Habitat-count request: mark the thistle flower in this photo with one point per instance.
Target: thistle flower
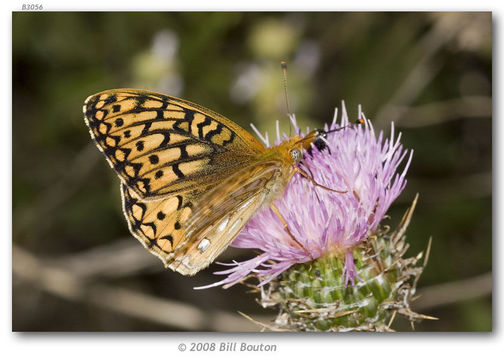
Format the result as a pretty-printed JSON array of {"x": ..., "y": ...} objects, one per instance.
[{"x": 337, "y": 230}]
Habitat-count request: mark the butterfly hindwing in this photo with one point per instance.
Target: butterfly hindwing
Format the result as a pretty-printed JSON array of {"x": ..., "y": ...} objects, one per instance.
[
  {"x": 221, "y": 214},
  {"x": 187, "y": 235}
]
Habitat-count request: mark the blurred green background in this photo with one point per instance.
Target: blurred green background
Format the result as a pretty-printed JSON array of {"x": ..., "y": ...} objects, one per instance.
[{"x": 75, "y": 266}]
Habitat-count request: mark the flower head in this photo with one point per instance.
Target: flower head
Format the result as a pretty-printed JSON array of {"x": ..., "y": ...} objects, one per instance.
[{"x": 326, "y": 222}]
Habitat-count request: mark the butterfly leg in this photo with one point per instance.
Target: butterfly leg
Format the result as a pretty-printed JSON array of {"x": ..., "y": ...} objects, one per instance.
[
  {"x": 286, "y": 227},
  {"x": 302, "y": 172},
  {"x": 355, "y": 194},
  {"x": 311, "y": 174}
]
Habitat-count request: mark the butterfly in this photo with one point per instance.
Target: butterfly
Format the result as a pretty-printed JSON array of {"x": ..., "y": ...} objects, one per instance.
[{"x": 190, "y": 178}]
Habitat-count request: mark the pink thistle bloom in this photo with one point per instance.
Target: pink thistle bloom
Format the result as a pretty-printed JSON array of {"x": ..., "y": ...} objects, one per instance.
[{"x": 324, "y": 221}]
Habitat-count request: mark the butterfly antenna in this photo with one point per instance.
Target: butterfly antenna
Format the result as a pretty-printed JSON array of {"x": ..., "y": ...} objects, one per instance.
[
  {"x": 359, "y": 121},
  {"x": 283, "y": 64}
]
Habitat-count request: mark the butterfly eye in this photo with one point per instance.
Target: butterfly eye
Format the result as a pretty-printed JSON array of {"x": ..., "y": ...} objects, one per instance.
[{"x": 296, "y": 154}]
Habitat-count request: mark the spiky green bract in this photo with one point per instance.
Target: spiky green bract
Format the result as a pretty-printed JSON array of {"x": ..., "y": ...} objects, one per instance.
[{"x": 313, "y": 296}]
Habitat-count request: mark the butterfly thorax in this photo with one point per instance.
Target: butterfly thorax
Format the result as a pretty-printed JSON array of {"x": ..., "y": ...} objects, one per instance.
[{"x": 286, "y": 155}]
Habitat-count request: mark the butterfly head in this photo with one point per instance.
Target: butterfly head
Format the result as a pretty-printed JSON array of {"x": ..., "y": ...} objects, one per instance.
[{"x": 298, "y": 145}]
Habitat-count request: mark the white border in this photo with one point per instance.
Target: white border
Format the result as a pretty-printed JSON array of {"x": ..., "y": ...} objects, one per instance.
[{"x": 150, "y": 346}]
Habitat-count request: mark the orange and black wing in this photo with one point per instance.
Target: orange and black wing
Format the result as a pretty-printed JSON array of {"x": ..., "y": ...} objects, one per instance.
[
  {"x": 177, "y": 161},
  {"x": 161, "y": 145}
]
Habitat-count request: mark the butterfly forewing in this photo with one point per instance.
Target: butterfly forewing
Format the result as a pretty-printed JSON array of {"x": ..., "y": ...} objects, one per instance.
[{"x": 161, "y": 145}]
